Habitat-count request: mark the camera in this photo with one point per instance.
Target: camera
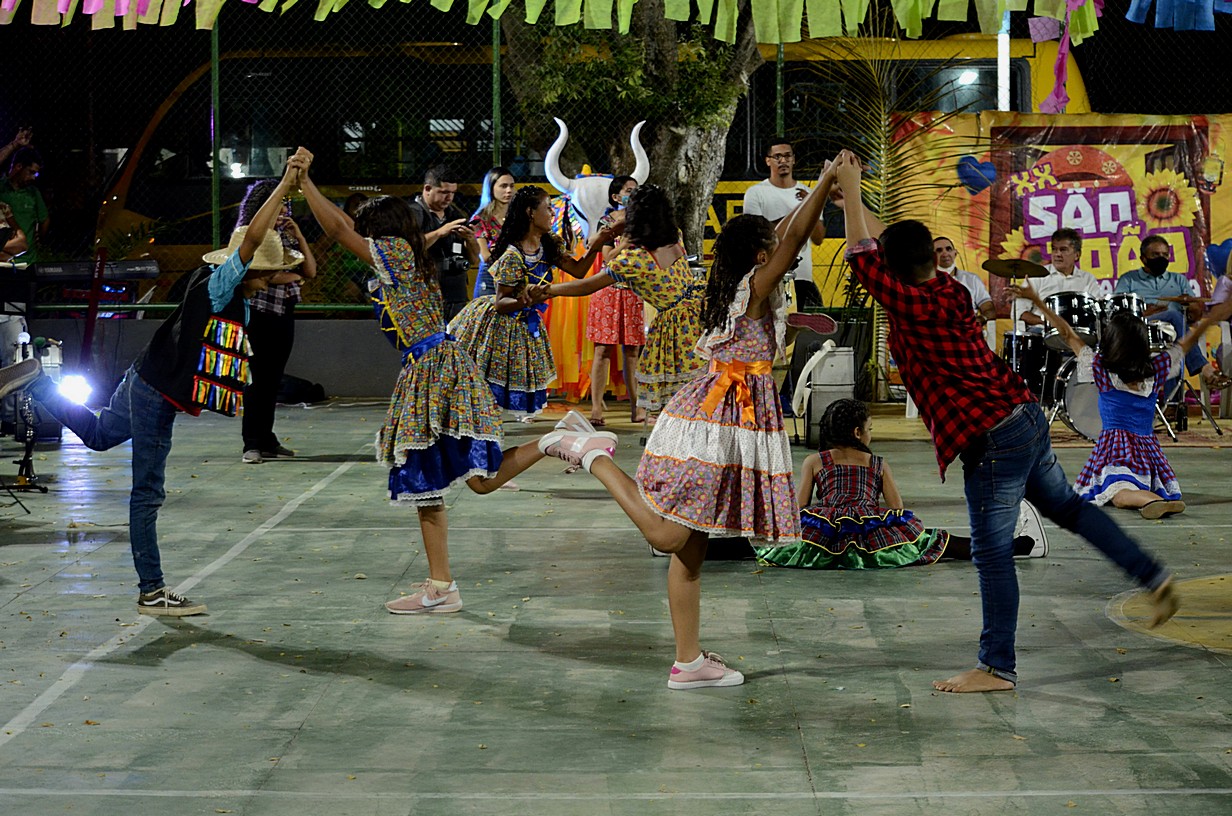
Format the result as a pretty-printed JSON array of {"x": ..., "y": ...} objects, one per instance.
[{"x": 454, "y": 264}]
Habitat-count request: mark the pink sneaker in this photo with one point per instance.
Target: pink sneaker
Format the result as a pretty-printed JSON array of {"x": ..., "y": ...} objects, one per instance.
[
  {"x": 578, "y": 449},
  {"x": 816, "y": 322},
  {"x": 427, "y": 599},
  {"x": 577, "y": 423},
  {"x": 713, "y": 673}
]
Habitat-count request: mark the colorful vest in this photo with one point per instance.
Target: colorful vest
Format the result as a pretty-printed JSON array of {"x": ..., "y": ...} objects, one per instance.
[{"x": 198, "y": 359}]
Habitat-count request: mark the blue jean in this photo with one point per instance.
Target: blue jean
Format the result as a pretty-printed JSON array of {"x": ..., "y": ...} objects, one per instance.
[
  {"x": 138, "y": 412},
  {"x": 1012, "y": 461}
]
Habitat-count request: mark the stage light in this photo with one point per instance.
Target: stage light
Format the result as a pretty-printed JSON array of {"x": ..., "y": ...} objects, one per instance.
[{"x": 75, "y": 389}]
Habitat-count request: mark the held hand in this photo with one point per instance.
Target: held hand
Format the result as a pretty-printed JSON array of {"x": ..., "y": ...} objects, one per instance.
[
  {"x": 23, "y": 137},
  {"x": 847, "y": 172},
  {"x": 297, "y": 167},
  {"x": 536, "y": 294}
]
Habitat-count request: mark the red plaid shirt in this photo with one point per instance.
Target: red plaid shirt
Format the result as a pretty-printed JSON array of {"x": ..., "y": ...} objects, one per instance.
[{"x": 960, "y": 386}]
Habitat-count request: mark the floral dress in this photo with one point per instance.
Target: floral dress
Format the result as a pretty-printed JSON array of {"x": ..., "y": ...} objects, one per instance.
[
  {"x": 487, "y": 230},
  {"x": 669, "y": 359},
  {"x": 718, "y": 459},
  {"x": 616, "y": 316},
  {"x": 512, "y": 351},
  {"x": 1127, "y": 455},
  {"x": 847, "y": 528},
  {"x": 441, "y": 427}
]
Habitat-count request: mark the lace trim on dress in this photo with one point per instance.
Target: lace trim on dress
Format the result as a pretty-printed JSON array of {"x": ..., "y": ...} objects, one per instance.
[{"x": 714, "y": 339}]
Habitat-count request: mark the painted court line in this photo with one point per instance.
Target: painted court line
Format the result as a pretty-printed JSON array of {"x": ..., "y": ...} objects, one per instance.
[
  {"x": 14, "y": 727},
  {"x": 895, "y": 796}
]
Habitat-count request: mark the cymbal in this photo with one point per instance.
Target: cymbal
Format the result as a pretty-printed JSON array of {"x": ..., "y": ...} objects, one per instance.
[{"x": 1014, "y": 268}]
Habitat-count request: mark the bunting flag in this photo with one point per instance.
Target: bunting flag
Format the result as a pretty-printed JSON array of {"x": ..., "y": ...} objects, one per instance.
[{"x": 774, "y": 21}]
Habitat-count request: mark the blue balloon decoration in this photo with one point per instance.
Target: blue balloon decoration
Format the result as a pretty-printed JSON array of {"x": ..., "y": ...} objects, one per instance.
[
  {"x": 975, "y": 175},
  {"x": 1217, "y": 257}
]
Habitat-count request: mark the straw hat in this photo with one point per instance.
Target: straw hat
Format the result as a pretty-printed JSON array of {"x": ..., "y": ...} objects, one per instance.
[{"x": 271, "y": 255}]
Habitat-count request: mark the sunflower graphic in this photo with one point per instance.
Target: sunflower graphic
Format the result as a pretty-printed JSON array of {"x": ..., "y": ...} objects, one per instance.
[
  {"x": 1167, "y": 200},
  {"x": 1015, "y": 245}
]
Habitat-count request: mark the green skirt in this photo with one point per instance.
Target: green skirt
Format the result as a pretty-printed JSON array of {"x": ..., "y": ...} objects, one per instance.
[{"x": 925, "y": 550}]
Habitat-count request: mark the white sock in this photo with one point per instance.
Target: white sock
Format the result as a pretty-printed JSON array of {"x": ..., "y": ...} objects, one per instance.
[
  {"x": 590, "y": 457},
  {"x": 692, "y": 665},
  {"x": 444, "y": 586}
]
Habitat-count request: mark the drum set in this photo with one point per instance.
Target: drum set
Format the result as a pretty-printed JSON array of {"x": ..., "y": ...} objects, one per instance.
[{"x": 1047, "y": 364}]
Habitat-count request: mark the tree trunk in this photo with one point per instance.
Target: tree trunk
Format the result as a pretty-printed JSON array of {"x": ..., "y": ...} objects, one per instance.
[{"x": 687, "y": 162}]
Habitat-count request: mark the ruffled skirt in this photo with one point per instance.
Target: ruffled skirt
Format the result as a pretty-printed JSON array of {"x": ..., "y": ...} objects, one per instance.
[
  {"x": 441, "y": 428},
  {"x": 517, "y": 365},
  {"x": 669, "y": 358},
  {"x": 1122, "y": 460},
  {"x": 710, "y": 473},
  {"x": 834, "y": 539}
]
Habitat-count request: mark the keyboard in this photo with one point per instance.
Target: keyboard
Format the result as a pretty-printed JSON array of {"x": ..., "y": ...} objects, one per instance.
[{"x": 67, "y": 271}]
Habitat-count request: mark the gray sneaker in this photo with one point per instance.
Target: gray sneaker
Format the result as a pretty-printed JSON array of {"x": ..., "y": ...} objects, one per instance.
[
  {"x": 1032, "y": 526},
  {"x": 252, "y": 457},
  {"x": 18, "y": 376},
  {"x": 164, "y": 602}
]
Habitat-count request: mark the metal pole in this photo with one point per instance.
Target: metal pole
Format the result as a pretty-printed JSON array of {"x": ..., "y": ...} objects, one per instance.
[
  {"x": 1003, "y": 64},
  {"x": 496, "y": 93},
  {"x": 778, "y": 90},
  {"x": 215, "y": 170}
]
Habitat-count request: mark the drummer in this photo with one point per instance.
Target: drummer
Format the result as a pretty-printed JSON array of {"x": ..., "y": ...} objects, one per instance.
[
  {"x": 1153, "y": 282},
  {"x": 1063, "y": 276}
]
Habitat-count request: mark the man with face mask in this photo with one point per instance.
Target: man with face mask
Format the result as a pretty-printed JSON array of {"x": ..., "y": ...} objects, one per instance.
[{"x": 1152, "y": 282}]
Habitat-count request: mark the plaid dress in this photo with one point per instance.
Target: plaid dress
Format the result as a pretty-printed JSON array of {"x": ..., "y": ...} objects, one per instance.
[
  {"x": 1127, "y": 455},
  {"x": 847, "y": 528}
]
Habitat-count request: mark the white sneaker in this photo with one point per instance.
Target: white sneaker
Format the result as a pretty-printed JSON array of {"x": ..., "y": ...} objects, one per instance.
[
  {"x": 577, "y": 423},
  {"x": 252, "y": 457},
  {"x": 1032, "y": 526}
]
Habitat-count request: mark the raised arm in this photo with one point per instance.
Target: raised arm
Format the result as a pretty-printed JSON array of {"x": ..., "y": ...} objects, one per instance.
[
  {"x": 336, "y": 223},
  {"x": 1026, "y": 290},
  {"x": 793, "y": 232},
  {"x": 1218, "y": 313}
]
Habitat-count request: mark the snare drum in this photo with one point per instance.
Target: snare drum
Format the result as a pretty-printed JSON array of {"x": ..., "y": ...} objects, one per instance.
[
  {"x": 1125, "y": 302},
  {"x": 1081, "y": 311},
  {"x": 1025, "y": 353},
  {"x": 1077, "y": 402},
  {"x": 1161, "y": 335}
]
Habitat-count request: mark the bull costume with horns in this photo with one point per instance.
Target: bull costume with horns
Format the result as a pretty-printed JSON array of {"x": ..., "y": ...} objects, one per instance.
[{"x": 582, "y": 202}]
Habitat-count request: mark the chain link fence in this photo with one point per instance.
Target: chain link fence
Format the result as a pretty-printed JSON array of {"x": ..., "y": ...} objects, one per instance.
[{"x": 379, "y": 95}]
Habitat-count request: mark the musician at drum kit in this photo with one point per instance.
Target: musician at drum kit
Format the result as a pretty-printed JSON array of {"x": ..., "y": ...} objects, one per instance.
[
  {"x": 1127, "y": 468},
  {"x": 947, "y": 262},
  {"x": 1167, "y": 299},
  {"x": 1063, "y": 276}
]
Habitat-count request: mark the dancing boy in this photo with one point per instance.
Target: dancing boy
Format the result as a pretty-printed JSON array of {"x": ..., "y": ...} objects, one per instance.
[{"x": 979, "y": 411}]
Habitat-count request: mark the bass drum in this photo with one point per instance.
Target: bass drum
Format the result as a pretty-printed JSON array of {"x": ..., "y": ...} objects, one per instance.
[{"x": 1077, "y": 402}]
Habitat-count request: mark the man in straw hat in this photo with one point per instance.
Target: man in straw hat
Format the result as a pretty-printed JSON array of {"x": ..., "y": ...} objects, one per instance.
[{"x": 197, "y": 359}]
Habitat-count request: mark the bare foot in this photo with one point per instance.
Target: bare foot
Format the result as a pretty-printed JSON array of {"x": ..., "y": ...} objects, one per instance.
[
  {"x": 1164, "y": 603},
  {"x": 973, "y": 680}
]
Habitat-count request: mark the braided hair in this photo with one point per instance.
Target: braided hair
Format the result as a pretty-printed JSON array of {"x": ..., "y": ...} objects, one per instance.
[
  {"x": 735, "y": 253},
  {"x": 518, "y": 222},
  {"x": 839, "y": 422}
]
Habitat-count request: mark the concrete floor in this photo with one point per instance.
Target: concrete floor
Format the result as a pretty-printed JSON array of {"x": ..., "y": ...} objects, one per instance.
[{"x": 299, "y": 694}]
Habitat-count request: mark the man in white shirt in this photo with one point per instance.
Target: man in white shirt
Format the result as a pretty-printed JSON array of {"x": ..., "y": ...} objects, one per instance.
[
  {"x": 947, "y": 262},
  {"x": 778, "y": 195},
  {"x": 1063, "y": 276}
]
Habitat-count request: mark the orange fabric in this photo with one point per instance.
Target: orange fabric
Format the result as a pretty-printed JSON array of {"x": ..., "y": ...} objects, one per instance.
[
  {"x": 733, "y": 374},
  {"x": 574, "y": 354}
]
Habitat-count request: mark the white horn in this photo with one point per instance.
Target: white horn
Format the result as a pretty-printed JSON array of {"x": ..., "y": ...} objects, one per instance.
[
  {"x": 551, "y": 164},
  {"x": 642, "y": 171}
]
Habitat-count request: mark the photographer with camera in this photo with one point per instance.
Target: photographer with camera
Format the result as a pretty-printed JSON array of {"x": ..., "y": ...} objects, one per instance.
[{"x": 449, "y": 242}]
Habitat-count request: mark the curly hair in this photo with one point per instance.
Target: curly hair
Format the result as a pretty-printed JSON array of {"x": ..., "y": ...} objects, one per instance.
[
  {"x": 838, "y": 424},
  {"x": 391, "y": 217},
  {"x": 518, "y": 222},
  {"x": 735, "y": 253},
  {"x": 254, "y": 198},
  {"x": 1125, "y": 348},
  {"x": 650, "y": 222}
]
